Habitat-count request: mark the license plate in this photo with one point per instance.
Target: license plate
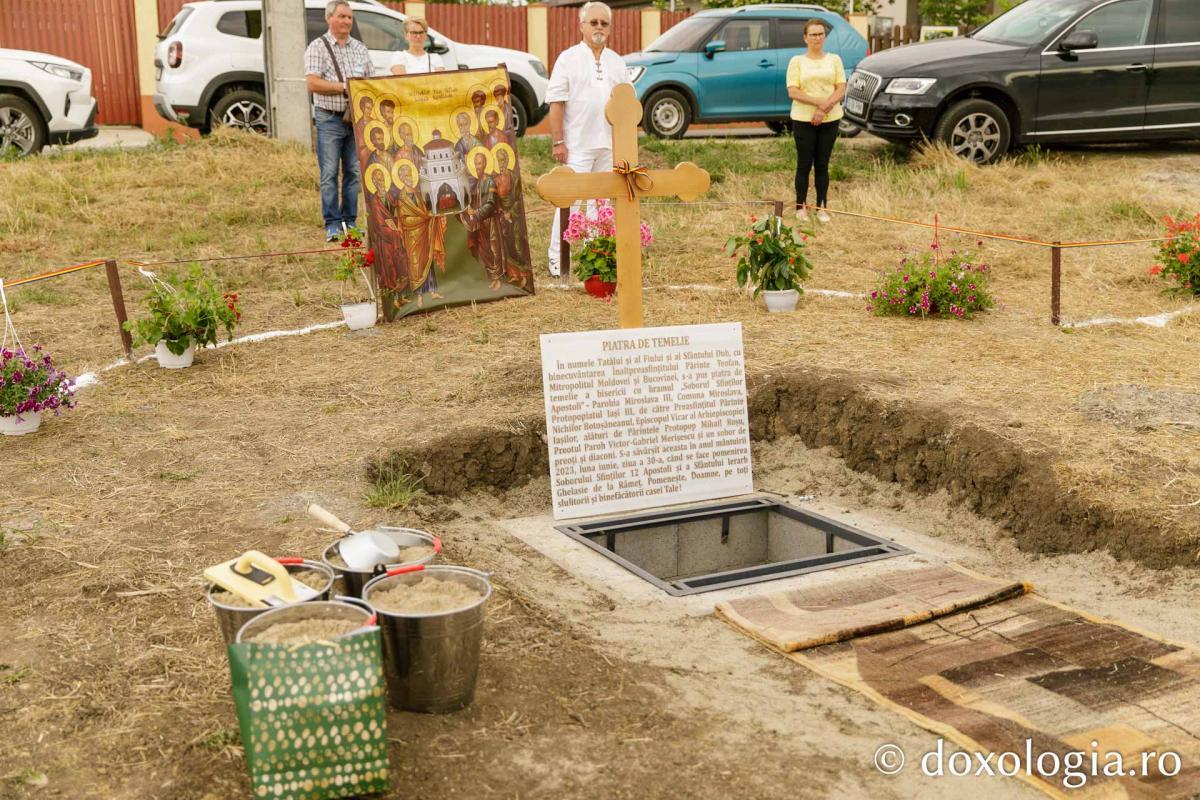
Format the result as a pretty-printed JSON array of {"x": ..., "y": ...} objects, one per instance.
[{"x": 854, "y": 106}]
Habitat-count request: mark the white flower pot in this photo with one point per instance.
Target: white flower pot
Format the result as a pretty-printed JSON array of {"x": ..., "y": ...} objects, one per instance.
[
  {"x": 19, "y": 426},
  {"x": 781, "y": 301},
  {"x": 359, "y": 315},
  {"x": 168, "y": 360}
]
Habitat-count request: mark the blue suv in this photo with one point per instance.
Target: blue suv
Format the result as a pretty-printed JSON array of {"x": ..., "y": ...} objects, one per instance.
[{"x": 729, "y": 65}]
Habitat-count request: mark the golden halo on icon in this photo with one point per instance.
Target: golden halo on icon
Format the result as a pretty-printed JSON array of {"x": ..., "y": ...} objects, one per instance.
[
  {"x": 491, "y": 161},
  {"x": 483, "y": 113},
  {"x": 375, "y": 126},
  {"x": 412, "y": 124},
  {"x": 470, "y": 116},
  {"x": 397, "y": 171},
  {"x": 503, "y": 147},
  {"x": 358, "y": 107},
  {"x": 379, "y": 101},
  {"x": 369, "y": 178}
]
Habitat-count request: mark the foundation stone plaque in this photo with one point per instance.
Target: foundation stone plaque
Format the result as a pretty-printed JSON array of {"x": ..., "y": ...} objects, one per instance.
[{"x": 645, "y": 417}]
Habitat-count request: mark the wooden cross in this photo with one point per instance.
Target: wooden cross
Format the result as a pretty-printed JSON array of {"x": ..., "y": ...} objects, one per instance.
[{"x": 563, "y": 186}]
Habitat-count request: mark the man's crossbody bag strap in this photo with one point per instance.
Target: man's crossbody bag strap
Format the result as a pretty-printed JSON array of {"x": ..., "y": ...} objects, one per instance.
[{"x": 347, "y": 115}]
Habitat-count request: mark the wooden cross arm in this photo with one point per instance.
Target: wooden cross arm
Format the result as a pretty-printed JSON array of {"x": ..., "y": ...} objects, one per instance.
[{"x": 562, "y": 186}]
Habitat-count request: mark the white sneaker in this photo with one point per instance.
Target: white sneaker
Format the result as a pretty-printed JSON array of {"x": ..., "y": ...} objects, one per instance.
[
  {"x": 802, "y": 215},
  {"x": 823, "y": 216},
  {"x": 555, "y": 270}
]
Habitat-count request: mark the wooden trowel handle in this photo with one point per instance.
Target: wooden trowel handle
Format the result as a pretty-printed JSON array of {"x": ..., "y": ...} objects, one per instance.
[{"x": 327, "y": 518}]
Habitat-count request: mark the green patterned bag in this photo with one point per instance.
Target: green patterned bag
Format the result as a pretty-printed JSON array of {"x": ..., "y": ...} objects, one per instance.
[{"x": 312, "y": 716}]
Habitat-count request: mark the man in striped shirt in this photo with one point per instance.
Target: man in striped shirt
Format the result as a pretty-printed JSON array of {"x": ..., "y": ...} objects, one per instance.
[{"x": 331, "y": 94}]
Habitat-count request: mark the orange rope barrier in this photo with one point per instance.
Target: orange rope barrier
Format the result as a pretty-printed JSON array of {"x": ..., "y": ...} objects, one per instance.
[
  {"x": 233, "y": 258},
  {"x": 1001, "y": 236},
  {"x": 54, "y": 273}
]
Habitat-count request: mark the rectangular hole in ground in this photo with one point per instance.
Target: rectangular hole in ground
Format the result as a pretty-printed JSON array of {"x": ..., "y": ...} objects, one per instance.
[{"x": 728, "y": 544}]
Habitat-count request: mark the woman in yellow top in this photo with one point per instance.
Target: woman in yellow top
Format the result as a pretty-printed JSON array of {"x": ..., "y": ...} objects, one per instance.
[{"x": 816, "y": 82}]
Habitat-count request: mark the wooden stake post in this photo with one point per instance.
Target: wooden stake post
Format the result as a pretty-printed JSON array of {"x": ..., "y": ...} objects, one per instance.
[{"x": 625, "y": 185}]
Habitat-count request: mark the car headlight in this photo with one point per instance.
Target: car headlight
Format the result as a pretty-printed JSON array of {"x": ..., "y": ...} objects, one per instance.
[
  {"x": 60, "y": 70},
  {"x": 634, "y": 73},
  {"x": 539, "y": 68},
  {"x": 910, "y": 85}
]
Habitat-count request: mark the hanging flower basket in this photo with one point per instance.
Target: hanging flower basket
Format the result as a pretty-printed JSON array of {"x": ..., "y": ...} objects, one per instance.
[
  {"x": 183, "y": 313},
  {"x": 30, "y": 384}
]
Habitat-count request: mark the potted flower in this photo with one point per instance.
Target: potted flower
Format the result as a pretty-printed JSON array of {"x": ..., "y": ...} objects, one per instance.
[
  {"x": 183, "y": 312},
  {"x": 595, "y": 248},
  {"x": 1179, "y": 256},
  {"x": 930, "y": 285},
  {"x": 773, "y": 260},
  {"x": 29, "y": 385},
  {"x": 354, "y": 261}
]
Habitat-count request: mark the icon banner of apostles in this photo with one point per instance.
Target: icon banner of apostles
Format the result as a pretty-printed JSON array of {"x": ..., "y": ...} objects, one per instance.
[{"x": 443, "y": 190}]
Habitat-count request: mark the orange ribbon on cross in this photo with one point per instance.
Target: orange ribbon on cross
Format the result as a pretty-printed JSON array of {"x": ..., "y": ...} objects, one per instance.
[{"x": 636, "y": 177}]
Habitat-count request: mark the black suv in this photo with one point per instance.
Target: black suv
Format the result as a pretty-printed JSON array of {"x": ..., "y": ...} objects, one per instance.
[{"x": 1048, "y": 71}]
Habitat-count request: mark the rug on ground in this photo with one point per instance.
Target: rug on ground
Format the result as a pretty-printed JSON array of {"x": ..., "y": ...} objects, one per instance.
[{"x": 997, "y": 670}]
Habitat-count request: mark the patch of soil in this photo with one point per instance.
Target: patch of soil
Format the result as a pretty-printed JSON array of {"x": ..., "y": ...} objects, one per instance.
[
  {"x": 305, "y": 631},
  {"x": 1141, "y": 407},
  {"x": 427, "y": 595}
]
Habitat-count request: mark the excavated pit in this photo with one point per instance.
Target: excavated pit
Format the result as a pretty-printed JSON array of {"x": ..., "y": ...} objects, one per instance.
[{"x": 919, "y": 446}]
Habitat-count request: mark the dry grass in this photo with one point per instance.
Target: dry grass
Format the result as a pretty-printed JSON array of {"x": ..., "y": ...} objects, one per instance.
[{"x": 110, "y": 513}]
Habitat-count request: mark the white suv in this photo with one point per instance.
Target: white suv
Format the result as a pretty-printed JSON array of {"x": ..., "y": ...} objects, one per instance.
[
  {"x": 209, "y": 61},
  {"x": 44, "y": 99}
]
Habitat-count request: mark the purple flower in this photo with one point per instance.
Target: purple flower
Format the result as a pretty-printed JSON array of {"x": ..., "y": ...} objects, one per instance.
[
  {"x": 933, "y": 275},
  {"x": 874, "y": 295},
  {"x": 17, "y": 377},
  {"x": 905, "y": 279},
  {"x": 52, "y": 402}
]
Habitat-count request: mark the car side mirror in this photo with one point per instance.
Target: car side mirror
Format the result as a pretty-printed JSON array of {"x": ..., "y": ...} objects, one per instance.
[
  {"x": 433, "y": 46},
  {"x": 1079, "y": 40},
  {"x": 712, "y": 48}
]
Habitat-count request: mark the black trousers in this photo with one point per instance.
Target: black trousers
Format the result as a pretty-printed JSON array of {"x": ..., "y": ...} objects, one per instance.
[{"x": 814, "y": 146}]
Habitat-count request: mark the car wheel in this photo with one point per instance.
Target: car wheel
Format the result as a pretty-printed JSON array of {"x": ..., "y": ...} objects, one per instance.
[
  {"x": 520, "y": 116},
  {"x": 847, "y": 129},
  {"x": 21, "y": 126},
  {"x": 778, "y": 128},
  {"x": 668, "y": 115},
  {"x": 976, "y": 130},
  {"x": 245, "y": 109}
]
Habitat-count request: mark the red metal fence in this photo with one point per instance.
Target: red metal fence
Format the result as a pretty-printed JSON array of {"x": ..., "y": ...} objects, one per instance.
[
  {"x": 96, "y": 33},
  {"x": 499, "y": 26},
  {"x": 167, "y": 9},
  {"x": 901, "y": 35},
  {"x": 100, "y": 34}
]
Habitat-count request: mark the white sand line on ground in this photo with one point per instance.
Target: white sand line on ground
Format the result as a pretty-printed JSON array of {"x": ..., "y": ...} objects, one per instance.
[
  {"x": 708, "y": 287},
  {"x": 1154, "y": 320},
  {"x": 92, "y": 378}
]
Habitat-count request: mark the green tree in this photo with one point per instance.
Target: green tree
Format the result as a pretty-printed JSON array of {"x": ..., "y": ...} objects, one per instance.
[{"x": 954, "y": 12}]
